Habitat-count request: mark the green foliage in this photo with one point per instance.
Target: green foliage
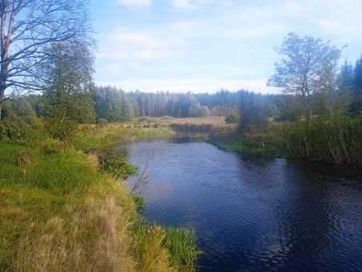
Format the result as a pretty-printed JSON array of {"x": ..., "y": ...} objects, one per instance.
[
  {"x": 139, "y": 202},
  {"x": 15, "y": 128},
  {"x": 112, "y": 105},
  {"x": 261, "y": 144},
  {"x": 335, "y": 140},
  {"x": 62, "y": 172},
  {"x": 181, "y": 245},
  {"x": 196, "y": 110},
  {"x": 116, "y": 165},
  {"x": 61, "y": 129},
  {"x": 20, "y": 107}
]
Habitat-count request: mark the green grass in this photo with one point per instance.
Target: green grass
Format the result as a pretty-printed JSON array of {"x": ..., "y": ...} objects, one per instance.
[
  {"x": 175, "y": 244},
  {"x": 260, "y": 144},
  {"x": 95, "y": 137},
  {"x": 60, "y": 210},
  {"x": 181, "y": 245}
]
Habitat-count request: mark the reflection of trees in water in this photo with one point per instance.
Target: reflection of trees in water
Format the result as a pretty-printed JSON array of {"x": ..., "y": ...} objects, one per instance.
[{"x": 304, "y": 219}]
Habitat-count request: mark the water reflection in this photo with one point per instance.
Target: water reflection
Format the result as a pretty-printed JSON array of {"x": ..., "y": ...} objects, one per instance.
[{"x": 252, "y": 214}]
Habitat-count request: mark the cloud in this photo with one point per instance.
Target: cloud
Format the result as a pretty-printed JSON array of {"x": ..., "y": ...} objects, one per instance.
[
  {"x": 213, "y": 48},
  {"x": 194, "y": 85},
  {"x": 183, "y": 3},
  {"x": 124, "y": 44},
  {"x": 135, "y": 3}
]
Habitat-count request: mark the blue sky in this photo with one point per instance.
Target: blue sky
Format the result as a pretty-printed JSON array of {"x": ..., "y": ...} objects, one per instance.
[{"x": 206, "y": 45}]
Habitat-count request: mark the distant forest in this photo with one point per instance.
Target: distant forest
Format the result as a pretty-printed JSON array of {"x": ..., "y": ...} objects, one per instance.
[
  {"x": 317, "y": 114},
  {"x": 110, "y": 104}
]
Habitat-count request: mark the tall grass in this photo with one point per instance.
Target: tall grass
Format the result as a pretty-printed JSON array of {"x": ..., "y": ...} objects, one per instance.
[
  {"x": 174, "y": 247},
  {"x": 335, "y": 140},
  {"x": 61, "y": 211},
  {"x": 182, "y": 248}
]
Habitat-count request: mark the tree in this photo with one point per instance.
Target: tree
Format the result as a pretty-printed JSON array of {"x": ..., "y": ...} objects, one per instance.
[
  {"x": 346, "y": 77},
  {"x": 307, "y": 67},
  {"x": 357, "y": 88},
  {"x": 27, "y": 29},
  {"x": 68, "y": 74},
  {"x": 112, "y": 104},
  {"x": 196, "y": 110},
  {"x": 253, "y": 111}
]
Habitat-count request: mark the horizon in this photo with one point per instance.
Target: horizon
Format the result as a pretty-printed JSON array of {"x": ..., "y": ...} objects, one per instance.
[{"x": 218, "y": 45}]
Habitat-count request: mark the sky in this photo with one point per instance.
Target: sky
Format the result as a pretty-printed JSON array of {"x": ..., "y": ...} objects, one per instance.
[{"x": 208, "y": 45}]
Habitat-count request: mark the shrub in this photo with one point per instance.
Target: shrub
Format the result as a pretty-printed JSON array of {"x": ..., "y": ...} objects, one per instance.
[
  {"x": 116, "y": 165},
  {"x": 18, "y": 129}
]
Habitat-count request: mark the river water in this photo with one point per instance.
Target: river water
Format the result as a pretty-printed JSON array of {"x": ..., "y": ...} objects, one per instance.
[{"x": 253, "y": 214}]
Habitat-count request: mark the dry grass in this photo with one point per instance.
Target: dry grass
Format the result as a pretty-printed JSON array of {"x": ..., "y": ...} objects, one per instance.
[
  {"x": 92, "y": 234},
  {"x": 63, "y": 215},
  {"x": 168, "y": 120}
]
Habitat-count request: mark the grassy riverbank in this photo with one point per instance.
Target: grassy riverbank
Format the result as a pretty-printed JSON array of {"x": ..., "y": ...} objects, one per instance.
[
  {"x": 335, "y": 140},
  {"x": 62, "y": 210}
]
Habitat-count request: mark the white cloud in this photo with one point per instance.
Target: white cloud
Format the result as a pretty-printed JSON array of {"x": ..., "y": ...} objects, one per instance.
[
  {"x": 135, "y": 3},
  {"x": 208, "y": 39},
  {"x": 194, "y": 85},
  {"x": 123, "y": 44},
  {"x": 183, "y": 3}
]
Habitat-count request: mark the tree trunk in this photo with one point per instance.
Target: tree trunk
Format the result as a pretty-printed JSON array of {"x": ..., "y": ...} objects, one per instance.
[
  {"x": 2, "y": 98},
  {"x": 2, "y": 95}
]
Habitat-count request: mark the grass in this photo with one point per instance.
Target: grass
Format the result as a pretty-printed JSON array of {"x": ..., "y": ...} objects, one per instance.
[
  {"x": 173, "y": 249},
  {"x": 61, "y": 211},
  {"x": 181, "y": 245},
  {"x": 260, "y": 145},
  {"x": 94, "y": 137}
]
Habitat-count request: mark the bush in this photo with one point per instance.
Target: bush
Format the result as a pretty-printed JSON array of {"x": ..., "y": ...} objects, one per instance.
[
  {"x": 116, "y": 165},
  {"x": 63, "y": 130},
  {"x": 18, "y": 129}
]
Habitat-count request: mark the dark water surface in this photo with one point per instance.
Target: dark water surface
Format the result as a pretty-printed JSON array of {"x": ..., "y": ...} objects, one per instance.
[{"x": 254, "y": 214}]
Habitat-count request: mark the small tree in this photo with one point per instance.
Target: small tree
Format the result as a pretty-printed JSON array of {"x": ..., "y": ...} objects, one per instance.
[
  {"x": 68, "y": 83},
  {"x": 308, "y": 66}
]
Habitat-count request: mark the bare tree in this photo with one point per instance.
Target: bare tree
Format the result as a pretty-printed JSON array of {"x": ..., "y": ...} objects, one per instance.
[
  {"x": 307, "y": 67},
  {"x": 27, "y": 28}
]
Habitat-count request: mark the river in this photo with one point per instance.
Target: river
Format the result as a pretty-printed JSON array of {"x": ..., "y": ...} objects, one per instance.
[{"x": 253, "y": 214}]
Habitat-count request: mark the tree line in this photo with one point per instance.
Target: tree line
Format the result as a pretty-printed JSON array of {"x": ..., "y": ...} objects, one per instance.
[{"x": 51, "y": 79}]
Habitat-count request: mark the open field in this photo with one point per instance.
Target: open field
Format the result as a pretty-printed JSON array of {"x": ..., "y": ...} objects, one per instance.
[{"x": 210, "y": 124}]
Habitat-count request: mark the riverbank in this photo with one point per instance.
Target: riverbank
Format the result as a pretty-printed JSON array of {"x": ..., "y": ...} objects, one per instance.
[
  {"x": 62, "y": 209},
  {"x": 334, "y": 141}
]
